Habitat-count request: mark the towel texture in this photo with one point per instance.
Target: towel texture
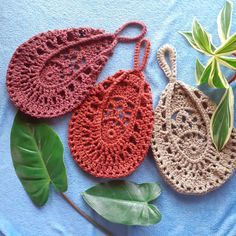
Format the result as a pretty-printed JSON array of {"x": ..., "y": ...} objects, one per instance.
[{"x": 212, "y": 214}]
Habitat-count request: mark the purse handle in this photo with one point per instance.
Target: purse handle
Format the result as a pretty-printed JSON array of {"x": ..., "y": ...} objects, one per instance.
[
  {"x": 169, "y": 69},
  {"x": 137, "y": 66},
  {"x": 126, "y": 39}
]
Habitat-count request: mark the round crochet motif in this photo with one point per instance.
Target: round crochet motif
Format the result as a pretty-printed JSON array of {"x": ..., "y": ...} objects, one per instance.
[
  {"x": 52, "y": 73},
  {"x": 182, "y": 145},
  {"x": 110, "y": 132}
]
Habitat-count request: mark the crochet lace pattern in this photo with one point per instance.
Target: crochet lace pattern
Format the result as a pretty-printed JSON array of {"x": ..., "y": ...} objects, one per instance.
[
  {"x": 52, "y": 73},
  {"x": 110, "y": 132},
  {"x": 181, "y": 144}
]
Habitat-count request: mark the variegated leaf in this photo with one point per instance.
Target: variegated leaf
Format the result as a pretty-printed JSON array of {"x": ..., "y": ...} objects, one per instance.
[
  {"x": 228, "y": 47},
  {"x": 229, "y": 62},
  {"x": 202, "y": 38},
  {"x": 199, "y": 71},
  {"x": 189, "y": 37},
  {"x": 216, "y": 78},
  {"x": 222, "y": 120},
  {"x": 224, "y": 21}
]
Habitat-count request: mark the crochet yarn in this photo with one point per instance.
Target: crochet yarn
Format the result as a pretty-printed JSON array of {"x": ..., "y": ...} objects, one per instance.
[
  {"x": 110, "y": 132},
  {"x": 52, "y": 73},
  {"x": 182, "y": 145}
]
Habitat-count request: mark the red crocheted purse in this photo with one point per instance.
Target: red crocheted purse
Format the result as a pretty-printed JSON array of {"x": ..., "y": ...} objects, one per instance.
[
  {"x": 52, "y": 73},
  {"x": 110, "y": 132}
]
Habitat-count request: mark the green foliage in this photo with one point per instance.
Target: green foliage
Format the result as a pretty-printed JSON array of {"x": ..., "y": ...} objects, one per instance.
[
  {"x": 199, "y": 39},
  {"x": 224, "y": 21},
  {"x": 199, "y": 71},
  {"x": 223, "y": 119}
]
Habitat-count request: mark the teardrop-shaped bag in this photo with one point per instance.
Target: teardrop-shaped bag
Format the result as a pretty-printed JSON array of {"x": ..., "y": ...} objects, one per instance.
[
  {"x": 51, "y": 73},
  {"x": 110, "y": 132},
  {"x": 182, "y": 145}
]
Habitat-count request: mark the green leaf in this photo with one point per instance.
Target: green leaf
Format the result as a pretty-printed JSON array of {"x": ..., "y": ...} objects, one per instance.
[
  {"x": 189, "y": 37},
  {"x": 125, "y": 202},
  {"x": 37, "y": 155},
  {"x": 206, "y": 73},
  {"x": 229, "y": 62},
  {"x": 199, "y": 71},
  {"x": 202, "y": 38},
  {"x": 224, "y": 21},
  {"x": 222, "y": 120},
  {"x": 228, "y": 47},
  {"x": 216, "y": 78}
]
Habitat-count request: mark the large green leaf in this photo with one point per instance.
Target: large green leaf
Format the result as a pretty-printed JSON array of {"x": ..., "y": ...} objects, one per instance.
[
  {"x": 228, "y": 47},
  {"x": 37, "y": 155},
  {"x": 224, "y": 21},
  {"x": 125, "y": 202},
  {"x": 222, "y": 120},
  {"x": 199, "y": 71},
  {"x": 202, "y": 38},
  {"x": 229, "y": 62}
]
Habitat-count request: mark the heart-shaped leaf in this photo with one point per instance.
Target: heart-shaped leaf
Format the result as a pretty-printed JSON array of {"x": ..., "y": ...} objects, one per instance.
[
  {"x": 228, "y": 47},
  {"x": 125, "y": 202},
  {"x": 199, "y": 71},
  {"x": 229, "y": 62},
  {"x": 37, "y": 155},
  {"x": 202, "y": 38},
  {"x": 224, "y": 21},
  {"x": 222, "y": 120}
]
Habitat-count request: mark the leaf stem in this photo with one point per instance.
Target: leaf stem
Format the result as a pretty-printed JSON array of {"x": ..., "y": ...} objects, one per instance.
[
  {"x": 87, "y": 217},
  {"x": 232, "y": 79}
]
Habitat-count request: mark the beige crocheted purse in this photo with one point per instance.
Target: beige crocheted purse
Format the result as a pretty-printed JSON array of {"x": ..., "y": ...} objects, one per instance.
[{"x": 182, "y": 145}]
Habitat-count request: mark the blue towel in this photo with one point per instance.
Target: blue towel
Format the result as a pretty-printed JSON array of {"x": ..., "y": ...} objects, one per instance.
[{"x": 212, "y": 214}]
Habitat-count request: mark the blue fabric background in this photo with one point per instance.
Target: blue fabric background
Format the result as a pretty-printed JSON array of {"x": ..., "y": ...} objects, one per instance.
[{"x": 212, "y": 214}]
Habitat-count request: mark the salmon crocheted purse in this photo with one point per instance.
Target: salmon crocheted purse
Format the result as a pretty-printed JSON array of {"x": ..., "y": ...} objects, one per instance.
[
  {"x": 110, "y": 132},
  {"x": 52, "y": 73},
  {"x": 182, "y": 145}
]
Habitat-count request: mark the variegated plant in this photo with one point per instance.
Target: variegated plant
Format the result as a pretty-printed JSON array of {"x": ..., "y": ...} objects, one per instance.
[{"x": 222, "y": 119}]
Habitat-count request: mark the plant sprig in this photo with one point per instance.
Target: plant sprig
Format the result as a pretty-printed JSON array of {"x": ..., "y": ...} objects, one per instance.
[{"x": 199, "y": 39}]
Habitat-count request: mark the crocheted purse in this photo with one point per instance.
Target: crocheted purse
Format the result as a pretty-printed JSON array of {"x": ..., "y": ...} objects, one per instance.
[
  {"x": 52, "y": 73},
  {"x": 110, "y": 132},
  {"x": 182, "y": 145}
]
